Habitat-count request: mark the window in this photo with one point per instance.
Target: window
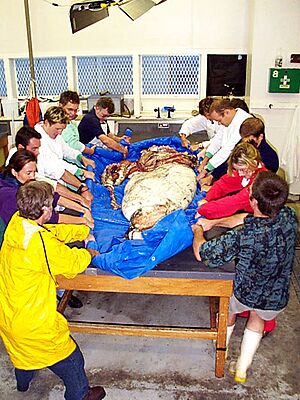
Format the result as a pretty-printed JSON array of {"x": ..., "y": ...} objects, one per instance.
[
  {"x": 3, "y": 91},
  {"x": 105, "y": 73},
  {"x": 50, "y": 75},
  {"x": 171, "y": 74}
]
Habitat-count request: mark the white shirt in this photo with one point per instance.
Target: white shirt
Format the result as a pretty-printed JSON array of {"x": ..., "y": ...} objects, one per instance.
[
  {"x": 200, "y": 123},
  {"x": 51, "y": 161},
  {"x": 224, "y": 141}
]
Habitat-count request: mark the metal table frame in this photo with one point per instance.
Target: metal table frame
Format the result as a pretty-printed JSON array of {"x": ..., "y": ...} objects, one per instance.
[{"x": 181, "y": 275}]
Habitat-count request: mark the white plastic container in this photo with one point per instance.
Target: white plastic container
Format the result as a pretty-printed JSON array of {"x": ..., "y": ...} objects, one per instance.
[{"x": 10, "y": 108}]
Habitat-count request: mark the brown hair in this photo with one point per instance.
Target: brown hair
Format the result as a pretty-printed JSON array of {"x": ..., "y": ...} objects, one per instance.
[
  {"x": 69, "y": 97},
  {"x": 271, "y": 193},
  {"x": 33, "y": 197},
  {"x": 252, "y": 127},
  {"x": 106, "y": 102},
  {"x": 239, "y": 103},
  {"x": 17, "y": 161},
  {"x": 204, "y": 105},
  {"x": 56, "y": 115},
  {"x": 244, "y": 154},
  {"x": 220, "y": 105}
]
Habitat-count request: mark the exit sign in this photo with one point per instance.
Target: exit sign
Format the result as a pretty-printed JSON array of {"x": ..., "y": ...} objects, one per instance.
[{"x": 284, "y": 80}]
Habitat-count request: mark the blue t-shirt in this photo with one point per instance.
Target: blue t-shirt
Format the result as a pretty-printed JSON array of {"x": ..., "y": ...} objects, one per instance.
[{"x": 90, "y": 127}]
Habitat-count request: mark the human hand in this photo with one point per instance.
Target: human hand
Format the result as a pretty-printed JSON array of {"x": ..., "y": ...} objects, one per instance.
[
  {"x": 87, "y": 195},
  {"x": 87, "y": 214},
  {"x": 85, "y": 202},
  {"x": 202, "y": 174},
  {"x": 198, "y": 240},
  {"x": 88, "y": 174},
  {"x": 88, "y": 222},
  {"x": 201, "y": 202},
  {"x": 90, "y": 238},
  {"x": 206, "y": 224},
  {"x": 93, "y": 252},
  {"x": 86, "y": 161}
]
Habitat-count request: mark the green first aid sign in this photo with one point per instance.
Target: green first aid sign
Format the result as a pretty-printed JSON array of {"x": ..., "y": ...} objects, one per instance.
[{"x": 284, "y": 80}]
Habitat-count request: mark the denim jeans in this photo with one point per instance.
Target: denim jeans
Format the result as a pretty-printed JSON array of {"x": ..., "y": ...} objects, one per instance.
[{"x": 70, "y": 370}]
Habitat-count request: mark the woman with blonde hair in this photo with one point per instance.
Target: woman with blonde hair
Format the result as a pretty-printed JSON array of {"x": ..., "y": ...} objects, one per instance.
[{"x": 230, "y": 193}]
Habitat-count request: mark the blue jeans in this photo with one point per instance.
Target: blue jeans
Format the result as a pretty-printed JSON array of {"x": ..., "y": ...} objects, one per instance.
[{"x": 70, "y": 370}]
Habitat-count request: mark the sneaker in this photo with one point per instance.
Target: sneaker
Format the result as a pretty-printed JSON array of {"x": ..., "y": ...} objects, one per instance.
[{"x": 95, "y": 393}]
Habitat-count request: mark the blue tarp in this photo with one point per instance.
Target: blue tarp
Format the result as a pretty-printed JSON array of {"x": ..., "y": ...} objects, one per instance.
[{"x": 131, "y": 258}]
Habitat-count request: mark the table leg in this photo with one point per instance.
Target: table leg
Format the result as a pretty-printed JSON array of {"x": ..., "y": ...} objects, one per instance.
[
  {"x": 221, "y": 336},
  {"x": 64, "y": 301},
  {"x": 213, "y": 312}
]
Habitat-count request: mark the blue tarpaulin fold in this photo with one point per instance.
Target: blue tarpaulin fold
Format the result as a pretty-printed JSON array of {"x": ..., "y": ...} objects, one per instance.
[{"x": 132, "y": 258}]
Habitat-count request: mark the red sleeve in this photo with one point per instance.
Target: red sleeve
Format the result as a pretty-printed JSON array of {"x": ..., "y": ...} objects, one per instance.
[
  {"x": 225, "y": 185},
  {"x": 226, "y": 206}
]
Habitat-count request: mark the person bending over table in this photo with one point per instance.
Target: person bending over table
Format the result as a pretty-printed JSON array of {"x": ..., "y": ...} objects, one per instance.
[
  {"x": 201, "y": 122},
  {"x": 252, "y": 131},
  {"x": 264, "y": 250},
  {"x": 29, "y": 139},
  {"x": 69, "y": 101},
  {"x": 57, "y": 160},
  {"x": 94, "y": 129},
  {"x": 230, "y": 193},
  {"x": 34, "y": 333},
  {"x": 224, "y": 112}
]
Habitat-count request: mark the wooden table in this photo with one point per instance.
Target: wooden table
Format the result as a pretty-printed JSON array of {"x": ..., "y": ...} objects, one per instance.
[{"x": 181, "y": 275}]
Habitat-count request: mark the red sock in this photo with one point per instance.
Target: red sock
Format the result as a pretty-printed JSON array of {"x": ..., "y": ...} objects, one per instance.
[{"x": 270, "y": 325}]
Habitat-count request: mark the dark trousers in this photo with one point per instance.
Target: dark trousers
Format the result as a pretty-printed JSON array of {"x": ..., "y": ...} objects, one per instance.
[{"x": 70, "y": 370}]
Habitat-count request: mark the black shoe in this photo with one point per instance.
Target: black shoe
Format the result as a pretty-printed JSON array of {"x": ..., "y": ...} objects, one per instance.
[
  {"x": 74, "y": 302},
  {"x": 22, "y": 388},
  {"x": 95, "y": 393}
]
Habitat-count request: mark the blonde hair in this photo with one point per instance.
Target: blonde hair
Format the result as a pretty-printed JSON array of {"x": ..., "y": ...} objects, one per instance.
[
  {"x": 56, "y": 115},
  {"x": 244, "y": 155}
]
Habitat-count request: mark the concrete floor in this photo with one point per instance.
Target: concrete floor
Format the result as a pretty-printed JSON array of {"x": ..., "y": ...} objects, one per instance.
[{"x": 135, "y": 368}]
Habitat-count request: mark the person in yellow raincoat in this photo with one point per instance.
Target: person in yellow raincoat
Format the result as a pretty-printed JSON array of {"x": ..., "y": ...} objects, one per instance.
[{"x": 32, "y": 254}]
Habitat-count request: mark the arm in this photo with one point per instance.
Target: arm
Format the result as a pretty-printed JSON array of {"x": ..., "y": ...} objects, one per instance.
[
  {"x": 226, "y": 206},
  {"x": 198, "y": 240},
  {"x": 225, "y": 185},
  {"x": 71, "y": 219},
  {"x": 112, "y": 144},
  {"x": 69, "y": 194},
  {"x": 226, "y": 222}
]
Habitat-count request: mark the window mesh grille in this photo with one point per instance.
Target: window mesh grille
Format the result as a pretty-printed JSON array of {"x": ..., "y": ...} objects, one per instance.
[
  {"x": 170, "y": 74},
  {"x": 101, "y": 73},
  {"x": 3, "y": 90}
]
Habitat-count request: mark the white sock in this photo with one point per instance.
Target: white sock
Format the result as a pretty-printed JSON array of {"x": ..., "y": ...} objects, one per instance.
[
  {"x": 249, "y": 346},
  {"x": 229, "y": 333}
]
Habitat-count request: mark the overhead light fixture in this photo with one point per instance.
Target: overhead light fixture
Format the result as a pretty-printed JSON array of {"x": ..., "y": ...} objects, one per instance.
[
  {"x": 86, "y": 14},
  {"x": 135, "y": 8},
  {"x": 89, "y": 12}
]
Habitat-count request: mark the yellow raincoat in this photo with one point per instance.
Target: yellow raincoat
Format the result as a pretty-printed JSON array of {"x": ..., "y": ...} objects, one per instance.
[{"x": 34, "y": 333}]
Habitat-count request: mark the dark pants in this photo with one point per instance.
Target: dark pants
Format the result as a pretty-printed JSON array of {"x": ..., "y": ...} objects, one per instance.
[{"x": 70, "y": 370}]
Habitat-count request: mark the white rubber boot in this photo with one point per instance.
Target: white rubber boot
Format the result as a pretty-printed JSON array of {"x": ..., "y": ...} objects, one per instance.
[
  {"x": 249, "y": 346},
  {"x": 228, "y": 336}
]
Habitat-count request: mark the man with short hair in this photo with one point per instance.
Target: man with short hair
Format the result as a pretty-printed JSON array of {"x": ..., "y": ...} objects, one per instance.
[
  {"x": 93, "y": 128},
  {"x": 69, "y": 101},
  {"x": 54, "y": 152},
  {"x": 252, "y": 130},
  {"x": 264, "y": 250},
  {"x": 34, "y": 333},
  {"x": 222, "y": 143}
]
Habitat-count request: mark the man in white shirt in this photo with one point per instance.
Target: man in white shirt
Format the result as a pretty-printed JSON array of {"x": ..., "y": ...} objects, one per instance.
[
  {"x": 201, "y": 122},
  {"x": 224, "y": 142},
  {"x": 57, "y": 160}
]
